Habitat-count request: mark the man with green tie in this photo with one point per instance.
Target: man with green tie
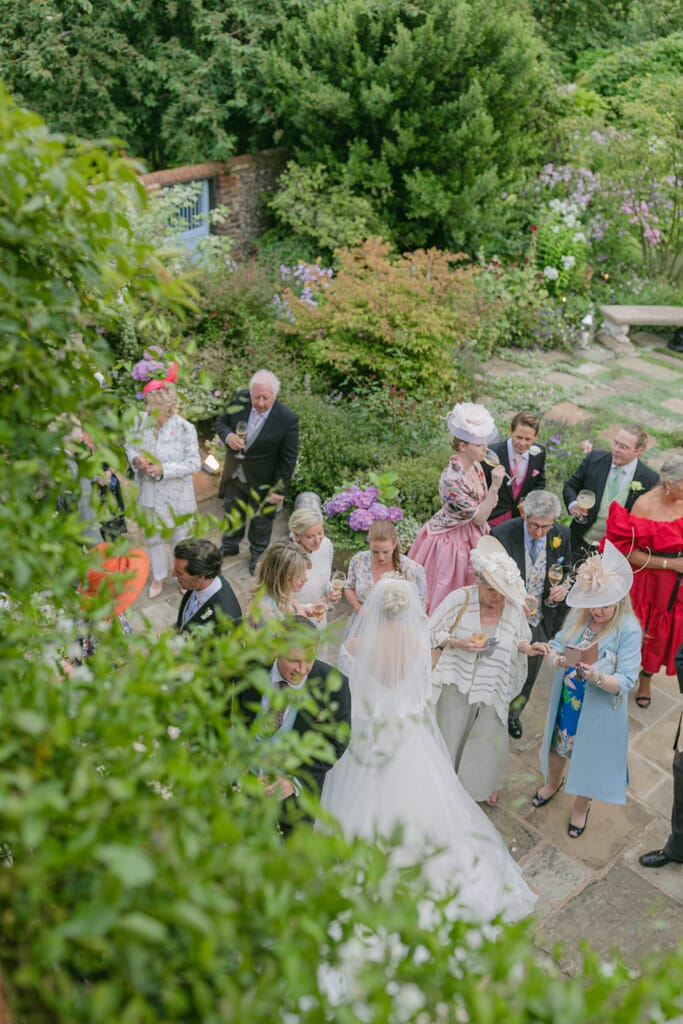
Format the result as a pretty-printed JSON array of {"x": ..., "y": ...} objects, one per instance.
[{"x": 616, "y": 475}]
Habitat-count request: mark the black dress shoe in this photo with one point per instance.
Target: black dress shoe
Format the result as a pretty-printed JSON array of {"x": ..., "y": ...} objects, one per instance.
[
  {"x": 515, "y": 728},
  {"x": 656, "y": 859},
  {"x": 229, "y": 550}
]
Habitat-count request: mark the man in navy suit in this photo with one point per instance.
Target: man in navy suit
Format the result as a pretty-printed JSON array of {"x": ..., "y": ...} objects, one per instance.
[
  {"x": 524, "y": 461},
  {"x": 208, "y": 599},
  {"x": 536, "y": 542},
  {"x": 617, "y": 475},
  {"x": 257, "y": 468},
  {"x": 672, "y": 852},
  {"x": 316, "y": 697}
]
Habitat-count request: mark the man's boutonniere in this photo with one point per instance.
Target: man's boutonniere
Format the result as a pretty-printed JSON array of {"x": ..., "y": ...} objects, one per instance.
[
  {"x": 535, "y": 449},
  {"x": 636, "y": 486},
  {"x": 556, "y": 542},
  {"x": 535, "y": 472}
]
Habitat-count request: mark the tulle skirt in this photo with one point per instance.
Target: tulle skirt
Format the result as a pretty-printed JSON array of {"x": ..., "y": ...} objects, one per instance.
[{"x": 397, "y": 774}]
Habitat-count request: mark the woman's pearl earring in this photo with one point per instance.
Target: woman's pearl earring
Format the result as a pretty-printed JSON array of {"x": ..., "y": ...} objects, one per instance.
[{"x": 667, "y": 491}]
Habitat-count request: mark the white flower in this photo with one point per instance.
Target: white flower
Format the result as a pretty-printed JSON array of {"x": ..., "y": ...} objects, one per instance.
[
  {"x": 421, "y": 954},
  {"x": 330, "y": 983},
  {"x": 535, "y": 449},
  {"x": 139, "y": 747},
  {"x": 407, "y": 1001},
  {"x": 335, "y": 931},
  {"x": 568, "y": 262},
  {"x": 552, "y": 273},
  {"x": 578, "y": 237},
  {"x": 165, "y": 792},
  {"x": 173, "y": 732}
]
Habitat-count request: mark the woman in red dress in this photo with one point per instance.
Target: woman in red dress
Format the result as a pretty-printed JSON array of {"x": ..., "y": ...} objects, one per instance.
[{"x": 651, "y": 537}]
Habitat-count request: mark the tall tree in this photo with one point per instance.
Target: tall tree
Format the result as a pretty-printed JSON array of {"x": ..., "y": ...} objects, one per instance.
[{"x": 426, "y": 108}]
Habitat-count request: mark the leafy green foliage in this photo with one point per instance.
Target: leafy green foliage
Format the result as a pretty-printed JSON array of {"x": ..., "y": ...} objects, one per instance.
[
  {"x": 401, "y": 321},
  {"x": 321, "y": 215},
  {"x": 169, "y": 79},
  {"x": 425, "y": 109}
]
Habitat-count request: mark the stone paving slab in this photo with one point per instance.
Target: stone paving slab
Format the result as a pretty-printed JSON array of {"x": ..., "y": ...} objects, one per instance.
[
  {"x": 656, "y": 742},
  {"x": 553, "y": 874},
  {"x": 643, "y": 775},
  {"x": 645, "y": 367},
  {"x": 590, "y": 369},
  {"x": 667, "y": 880},
  {"x": 568, "y": 412},
  {"x": 621, "y": 912},
  {"x": 674, "y": 405},
  {"x": 566, "y": 381}
]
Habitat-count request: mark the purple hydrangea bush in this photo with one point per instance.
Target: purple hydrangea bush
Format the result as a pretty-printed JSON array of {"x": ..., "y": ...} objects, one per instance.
[{"x": 352, "y": 512}]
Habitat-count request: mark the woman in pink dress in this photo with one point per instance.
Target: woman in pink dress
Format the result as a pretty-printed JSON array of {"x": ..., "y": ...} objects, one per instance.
[
  {"x": 443, "y": 544},
  {"x": 651, "y": 537}
]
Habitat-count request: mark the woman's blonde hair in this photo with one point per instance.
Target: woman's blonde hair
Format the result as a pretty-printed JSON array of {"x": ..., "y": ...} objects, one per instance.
[
  {"x": 164, "y": 398},
  {"x": 276, "y": 570},
  {"x": 384, "y": 529},
  {"x": 578, "y": 619},
  {"x": 304, "y": 519}
]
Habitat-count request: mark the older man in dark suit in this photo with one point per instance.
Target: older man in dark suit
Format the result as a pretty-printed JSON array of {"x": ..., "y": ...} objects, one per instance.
[
  {"x": 208, "y": 599},
  {"x": 536, "y": 542},
  {"x": 524, "y": 461},
  {"x": 617, "y": 475},
  {"x": 316, "y": 697},
  {"x": 259, "y": 461}
]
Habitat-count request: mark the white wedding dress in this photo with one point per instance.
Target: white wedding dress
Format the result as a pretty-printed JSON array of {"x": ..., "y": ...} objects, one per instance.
[{"x": 396, "y": 771}]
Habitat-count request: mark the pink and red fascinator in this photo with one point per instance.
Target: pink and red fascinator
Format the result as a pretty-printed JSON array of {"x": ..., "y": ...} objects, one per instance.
[{"x": 170, "y": 378}]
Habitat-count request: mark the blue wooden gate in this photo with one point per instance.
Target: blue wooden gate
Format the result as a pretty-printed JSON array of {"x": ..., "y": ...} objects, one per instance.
[{"x": 195, "y": 216}]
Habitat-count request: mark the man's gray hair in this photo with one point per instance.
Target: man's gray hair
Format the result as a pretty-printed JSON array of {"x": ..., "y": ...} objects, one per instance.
[
  {"x": 265, "y": 377},
  {"x": 542, "y": 503},
  {"x": 672, "y": 468}
]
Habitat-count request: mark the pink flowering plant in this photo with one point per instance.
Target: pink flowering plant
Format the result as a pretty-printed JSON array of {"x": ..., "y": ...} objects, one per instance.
[{"x": 351, "y": 512}]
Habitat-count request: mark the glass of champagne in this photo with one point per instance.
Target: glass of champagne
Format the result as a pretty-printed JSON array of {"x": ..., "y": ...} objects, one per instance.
[
  {"x": 586, "y": 501},
  {"x": 337, "y": 581},
  {"x": 492, "y": 460},
  {"x": 555, "y": 574},
  {"x": 317, "y": 610},
  {"x": 531, "y": 604},
  {"x": 241, "y": 431}
]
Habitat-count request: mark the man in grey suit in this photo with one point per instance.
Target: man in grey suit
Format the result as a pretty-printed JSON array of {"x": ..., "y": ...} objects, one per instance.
[{"x": 536, "y": 542}]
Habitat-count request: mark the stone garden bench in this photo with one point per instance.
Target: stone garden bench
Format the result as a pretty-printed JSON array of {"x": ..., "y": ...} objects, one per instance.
[{"x": 618, "y": 319}]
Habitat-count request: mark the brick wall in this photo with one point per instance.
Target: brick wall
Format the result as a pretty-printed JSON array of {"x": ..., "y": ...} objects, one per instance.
[{"x": 237, "y": 183}]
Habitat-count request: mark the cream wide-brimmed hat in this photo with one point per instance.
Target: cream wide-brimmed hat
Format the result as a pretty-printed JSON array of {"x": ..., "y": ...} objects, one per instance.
[
  {"x": 491, "y": 561},
  {"x": 601, "y": 580},
  {"x": 471, "y": 423}
]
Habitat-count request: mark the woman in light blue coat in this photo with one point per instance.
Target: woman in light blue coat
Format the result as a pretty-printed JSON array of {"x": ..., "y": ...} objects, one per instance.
[{"x": 587, "y": 725}]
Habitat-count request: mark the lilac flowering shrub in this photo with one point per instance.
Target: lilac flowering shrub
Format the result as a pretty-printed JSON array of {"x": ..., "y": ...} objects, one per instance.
[{"x": 352, "y": 512}]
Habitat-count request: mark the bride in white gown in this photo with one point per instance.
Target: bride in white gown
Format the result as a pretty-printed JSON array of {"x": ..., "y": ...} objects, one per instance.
[{"x": 396, "y": 771}]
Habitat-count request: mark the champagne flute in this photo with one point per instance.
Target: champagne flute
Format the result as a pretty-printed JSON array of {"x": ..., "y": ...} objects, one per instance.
[
  {"x": 531, "y": 605},
  {"x": 555, "y": 574},
  {"x": 586, "y": 501},
  {"x": 337, "y": 581},
  {"x": 491, "y": 459},
  {"x": 241, "y": 431}
]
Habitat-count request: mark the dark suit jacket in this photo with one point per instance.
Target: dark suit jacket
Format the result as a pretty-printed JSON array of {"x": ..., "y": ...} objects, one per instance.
[
  {"x": 511, "y": 536},
  {"x": 592, "y": 476},
  {"x": 506, "y": 501},
  {"x": 331, "y": 709},
  {"x": 224, "y": 600},
  {"x": 678, "y": 662},
  {"x": 269, "y": 461}
]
